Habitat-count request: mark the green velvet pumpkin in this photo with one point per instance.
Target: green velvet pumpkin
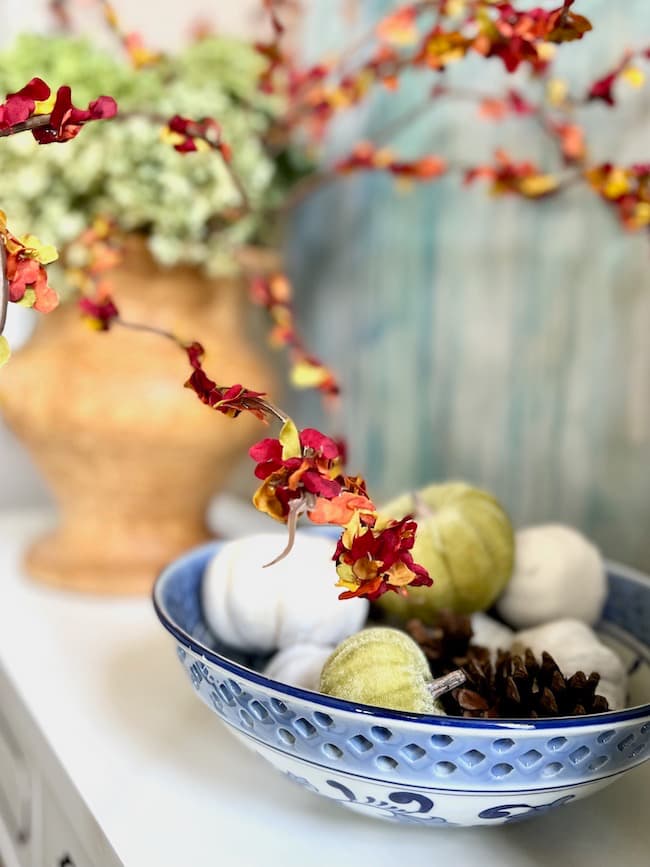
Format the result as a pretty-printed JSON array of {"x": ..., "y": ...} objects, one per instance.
[
  {"x": 382, "y": 667},
  {"x": 465, "y": 540}
]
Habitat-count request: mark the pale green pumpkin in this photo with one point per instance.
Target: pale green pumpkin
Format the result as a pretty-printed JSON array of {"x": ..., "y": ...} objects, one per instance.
[
  {"x": 466, "y": 542},
  {"x": 382, "y": 667}
]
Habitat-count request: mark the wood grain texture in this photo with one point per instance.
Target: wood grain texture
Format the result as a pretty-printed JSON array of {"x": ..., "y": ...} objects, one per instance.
[{"x": 498, "y": 341}]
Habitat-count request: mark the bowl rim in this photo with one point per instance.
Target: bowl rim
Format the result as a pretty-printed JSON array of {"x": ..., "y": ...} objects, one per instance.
[{"x": 332, "y": 703}]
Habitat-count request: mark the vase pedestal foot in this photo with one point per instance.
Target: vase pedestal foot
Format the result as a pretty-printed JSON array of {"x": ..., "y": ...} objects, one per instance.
[{"x": 56, "y": 560}]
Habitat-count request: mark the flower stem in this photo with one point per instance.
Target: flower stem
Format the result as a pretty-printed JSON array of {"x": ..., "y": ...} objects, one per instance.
[
  {"x": 367, "y": 38},
  {"x": 35, "y": 122},
  {"x": 268, "y": 407},
  {"x": 259, "y": 403},
  {"x": 196, "y": 132},
  {"x": 151, "y": 329},
  {"x": 4, "y": 285},
  {"x": 237, "y": 182},
  {"x": 296, "y": 509}
]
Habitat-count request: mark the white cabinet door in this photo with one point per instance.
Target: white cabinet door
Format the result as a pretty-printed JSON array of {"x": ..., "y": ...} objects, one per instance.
[
  {"x": 61, "y": 844},
  {"x": 16, "y": 798}
]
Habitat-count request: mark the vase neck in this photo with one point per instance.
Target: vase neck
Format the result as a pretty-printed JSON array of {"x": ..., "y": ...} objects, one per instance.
[{"x": 142, "y": 287}]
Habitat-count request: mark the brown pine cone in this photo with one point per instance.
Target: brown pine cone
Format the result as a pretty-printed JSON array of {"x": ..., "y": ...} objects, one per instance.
[
  {"x": 447, "y": 639},
  {"x": 508, "y": 686}
]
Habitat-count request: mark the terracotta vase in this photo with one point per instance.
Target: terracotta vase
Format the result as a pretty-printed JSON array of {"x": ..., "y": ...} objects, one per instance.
[{"x": 131, "y": 456}]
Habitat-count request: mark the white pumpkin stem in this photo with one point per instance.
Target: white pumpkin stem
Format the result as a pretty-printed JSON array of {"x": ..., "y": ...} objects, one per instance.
[{"x": 444, "y": 684}]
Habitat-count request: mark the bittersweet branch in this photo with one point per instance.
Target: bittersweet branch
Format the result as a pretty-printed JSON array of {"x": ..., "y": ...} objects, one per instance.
[
  {"x": 4, "y": 286},
  {"x": 36, "y": 122},
  {"x": 250, "y": 401}
]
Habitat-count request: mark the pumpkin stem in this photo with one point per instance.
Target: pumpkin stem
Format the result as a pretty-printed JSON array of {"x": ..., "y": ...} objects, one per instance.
[{"x": 444, "y": 684}]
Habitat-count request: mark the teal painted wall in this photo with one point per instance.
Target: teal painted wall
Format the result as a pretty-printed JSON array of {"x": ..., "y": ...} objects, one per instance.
[{"x": 499, "y": 341}]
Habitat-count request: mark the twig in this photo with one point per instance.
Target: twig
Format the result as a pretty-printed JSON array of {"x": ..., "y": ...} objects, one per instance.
[
  {"x": 296, "y": 508},
  {"x": 462, "y": 94},
  {"x": 538, "y": 113},
  {"x": 151, "y": 329},
  {"x": 355, "y": 47},
  {"x": 259, "y": 403},
  {"x": 195, "y": 131},
  {"x": 570, "y": 177},
  {"x": 4, "y": 285},
  {"x": 237, "y": 182},
  {"x": 304, "y": 188},
  {"x": 389, "y": 68},
  {"x": 266, "y": 406},
  {"x": 35, "y": 122}
]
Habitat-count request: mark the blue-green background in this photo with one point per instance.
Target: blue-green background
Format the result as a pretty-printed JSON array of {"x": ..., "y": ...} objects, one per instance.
[{"x": 496, "y": 340}]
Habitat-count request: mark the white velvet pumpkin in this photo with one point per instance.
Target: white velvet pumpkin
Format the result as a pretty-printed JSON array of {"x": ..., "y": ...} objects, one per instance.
[
  {"x": 295, "y": 601},
  {"x": 558, "y": 573},
  {"x": 489, "y": 633},
  {"x": 300, "y": 665},
  {"x": 576, "y": 647}
]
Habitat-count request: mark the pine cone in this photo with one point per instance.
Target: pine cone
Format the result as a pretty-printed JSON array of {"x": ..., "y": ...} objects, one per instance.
[
  {"x": 510, "y": 686},
  {"x": 447, "y": 639}
]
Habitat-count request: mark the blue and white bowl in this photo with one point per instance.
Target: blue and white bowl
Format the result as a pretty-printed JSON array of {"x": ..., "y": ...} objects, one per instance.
[{"x": 428, "y": 770}]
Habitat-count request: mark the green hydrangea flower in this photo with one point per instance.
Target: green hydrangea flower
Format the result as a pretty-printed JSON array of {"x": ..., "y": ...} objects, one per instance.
[{"x": 124, "y": 170}]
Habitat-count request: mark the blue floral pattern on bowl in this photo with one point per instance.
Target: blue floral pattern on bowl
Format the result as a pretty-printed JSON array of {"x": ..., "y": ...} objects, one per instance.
[{"x": 403, "y": 767}]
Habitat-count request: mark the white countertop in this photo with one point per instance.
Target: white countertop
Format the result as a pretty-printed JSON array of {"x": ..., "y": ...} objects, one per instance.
[{"x": 171, "y": 787}]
